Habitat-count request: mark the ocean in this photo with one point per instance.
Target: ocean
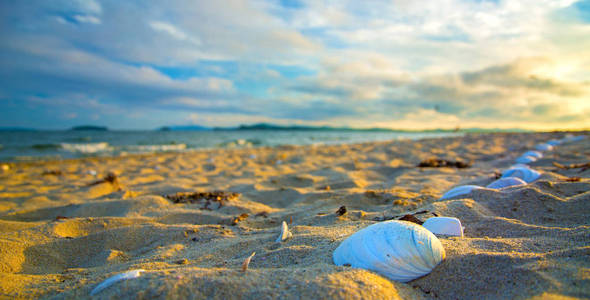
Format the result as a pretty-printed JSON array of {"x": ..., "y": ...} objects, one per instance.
[{"x": 51, "y": 145}]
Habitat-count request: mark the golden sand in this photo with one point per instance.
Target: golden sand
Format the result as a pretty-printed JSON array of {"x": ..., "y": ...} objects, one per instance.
[{"x": 63, "y": 231}]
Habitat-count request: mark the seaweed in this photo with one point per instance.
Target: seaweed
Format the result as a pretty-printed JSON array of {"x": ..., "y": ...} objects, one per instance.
[
  {"x": 411, "y": 218},
  {"x": 442, "y": 163},
  {"x": 207, "y": 198}
]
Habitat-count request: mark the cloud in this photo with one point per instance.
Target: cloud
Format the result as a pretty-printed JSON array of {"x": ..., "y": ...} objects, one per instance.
[
  {"x": 395, "y": 64},
  {"x": 509, "y": 92},
  {"x": 173, "y": 31}
]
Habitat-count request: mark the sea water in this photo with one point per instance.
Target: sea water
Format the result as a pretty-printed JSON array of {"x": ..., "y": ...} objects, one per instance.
[{"x": 42, "y": 145}]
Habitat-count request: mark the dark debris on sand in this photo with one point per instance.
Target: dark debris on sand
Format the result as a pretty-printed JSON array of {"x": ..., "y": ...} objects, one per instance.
[
  {"x": 109, "y": 178},
  {"x": 53, "y": 172},
  {"x": 207, "y": 198},
  {"x": 239, "y": 218},
  {"x": 442, "y": 163},
  {"x": 411, "y": 218}
]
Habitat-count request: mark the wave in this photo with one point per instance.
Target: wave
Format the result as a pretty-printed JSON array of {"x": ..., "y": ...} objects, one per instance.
[
  {"x": 155, "y": 148},
  {"x": 86, "y": 148},
  {"x": 241, "y": 143}
]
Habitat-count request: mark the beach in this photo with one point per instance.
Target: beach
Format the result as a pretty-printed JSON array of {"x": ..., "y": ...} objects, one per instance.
[{"x": 68, "y": 225}]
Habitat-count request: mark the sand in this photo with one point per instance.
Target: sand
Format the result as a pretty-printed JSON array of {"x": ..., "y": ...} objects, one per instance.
[{"x": 63, "y": 231}]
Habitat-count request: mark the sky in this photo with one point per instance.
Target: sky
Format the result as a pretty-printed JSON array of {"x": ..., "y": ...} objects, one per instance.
[{"x": 142, "y": 64}]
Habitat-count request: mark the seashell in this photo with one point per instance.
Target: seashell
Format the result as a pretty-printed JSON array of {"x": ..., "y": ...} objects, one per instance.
[
  {"x": 285, "y": 233},
  {"x": 544, "y": 147},
  {"x": 553, "y": 142},
  {"x": 524, "y": 173},
  {"x": 246, "y": 262},
  {"x": 535, "y": 154},
  {"x": 519, "y": 166},
  {"x": 110, "y": 281},
  {"x": 525, "y": 159},
  {"x": 506, "y": 182},
  {"x": 399, "y": 250},
  {"x": 444, "y": 226},
  {"x": 460, "y": 190}
]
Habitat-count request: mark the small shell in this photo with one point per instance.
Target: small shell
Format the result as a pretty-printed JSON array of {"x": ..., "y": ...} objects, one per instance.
[
  {"x": 527, "y": 174},
  {"x": 444, "y": 226},
  {"x": 460, "y": 190},
  {"x": 544, "y": 147},
  {"x": 285, "y": 233},
  {"x": 399, "y": 250},
  {"x": 506, "y": 182},
  {"x": 525, "y": 159},
  {"x": 535, "y": 154},
  {"x": 246, "y": 262},
  {"x": 110, "y": 281}
]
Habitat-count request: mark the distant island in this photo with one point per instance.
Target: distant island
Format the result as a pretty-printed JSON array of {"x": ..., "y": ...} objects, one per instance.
[
  {"x": 89, "y": 128},
  {"x": 267, "y": 126},
  {"x": 184, "y": 128}
]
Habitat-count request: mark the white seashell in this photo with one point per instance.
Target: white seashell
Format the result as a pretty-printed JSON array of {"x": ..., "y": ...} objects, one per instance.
[
  {"x": 285, "y": 233},
  {"x": 535, "y": 154},
  {"x": 399, "y": 250},
  {"x": 544, "y": 147},
  {"x": 110, "y": 281},
  {"x": 526, "y": 174},
  {"x": 460, "y": 190},
  {"x": 444, "y": 226},
  {"x": 554, "y": 142},
  {"x": 506, "y": 182},
  {"x": 519, "y": 166},
  {"x": 525, "y": 159}
]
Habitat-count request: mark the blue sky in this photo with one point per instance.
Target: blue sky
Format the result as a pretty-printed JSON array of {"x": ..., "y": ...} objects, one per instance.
[{"x": 397, "y": 64}]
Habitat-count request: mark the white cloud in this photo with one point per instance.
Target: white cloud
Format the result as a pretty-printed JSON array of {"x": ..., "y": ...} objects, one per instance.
[
  {"x": 87, "y": 19},
  {"x": 377, "y": 62},
  {"x": 173, "y": 31}
]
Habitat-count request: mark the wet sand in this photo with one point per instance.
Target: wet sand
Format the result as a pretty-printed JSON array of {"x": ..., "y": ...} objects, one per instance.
[{"x": 64, "y": 229}]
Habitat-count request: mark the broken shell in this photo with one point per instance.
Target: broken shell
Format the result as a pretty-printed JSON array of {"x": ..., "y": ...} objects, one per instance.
[
  {"x": 110, "y": 281},
  {"x": 506, "y": 182},
  {"x": 399, "y": 250},
  {"x": 527, "y": 174},
  {"x": 535, "y": 154},
  {"x": 544, "y": 147},
  {"x": 444, "y": 225},
  {"x": 460, "y": 190},
  {"x": 246, "y": 262},
  {"x": 525, "y": 159},
  {"x": 285, "y": 233}
]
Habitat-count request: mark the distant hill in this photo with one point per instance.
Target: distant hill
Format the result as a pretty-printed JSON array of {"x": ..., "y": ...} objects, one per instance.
[
  {"x": 89, "y": 128},
  {"x": 184, "y": 128},
  {"x": 268, "y": 126}
]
